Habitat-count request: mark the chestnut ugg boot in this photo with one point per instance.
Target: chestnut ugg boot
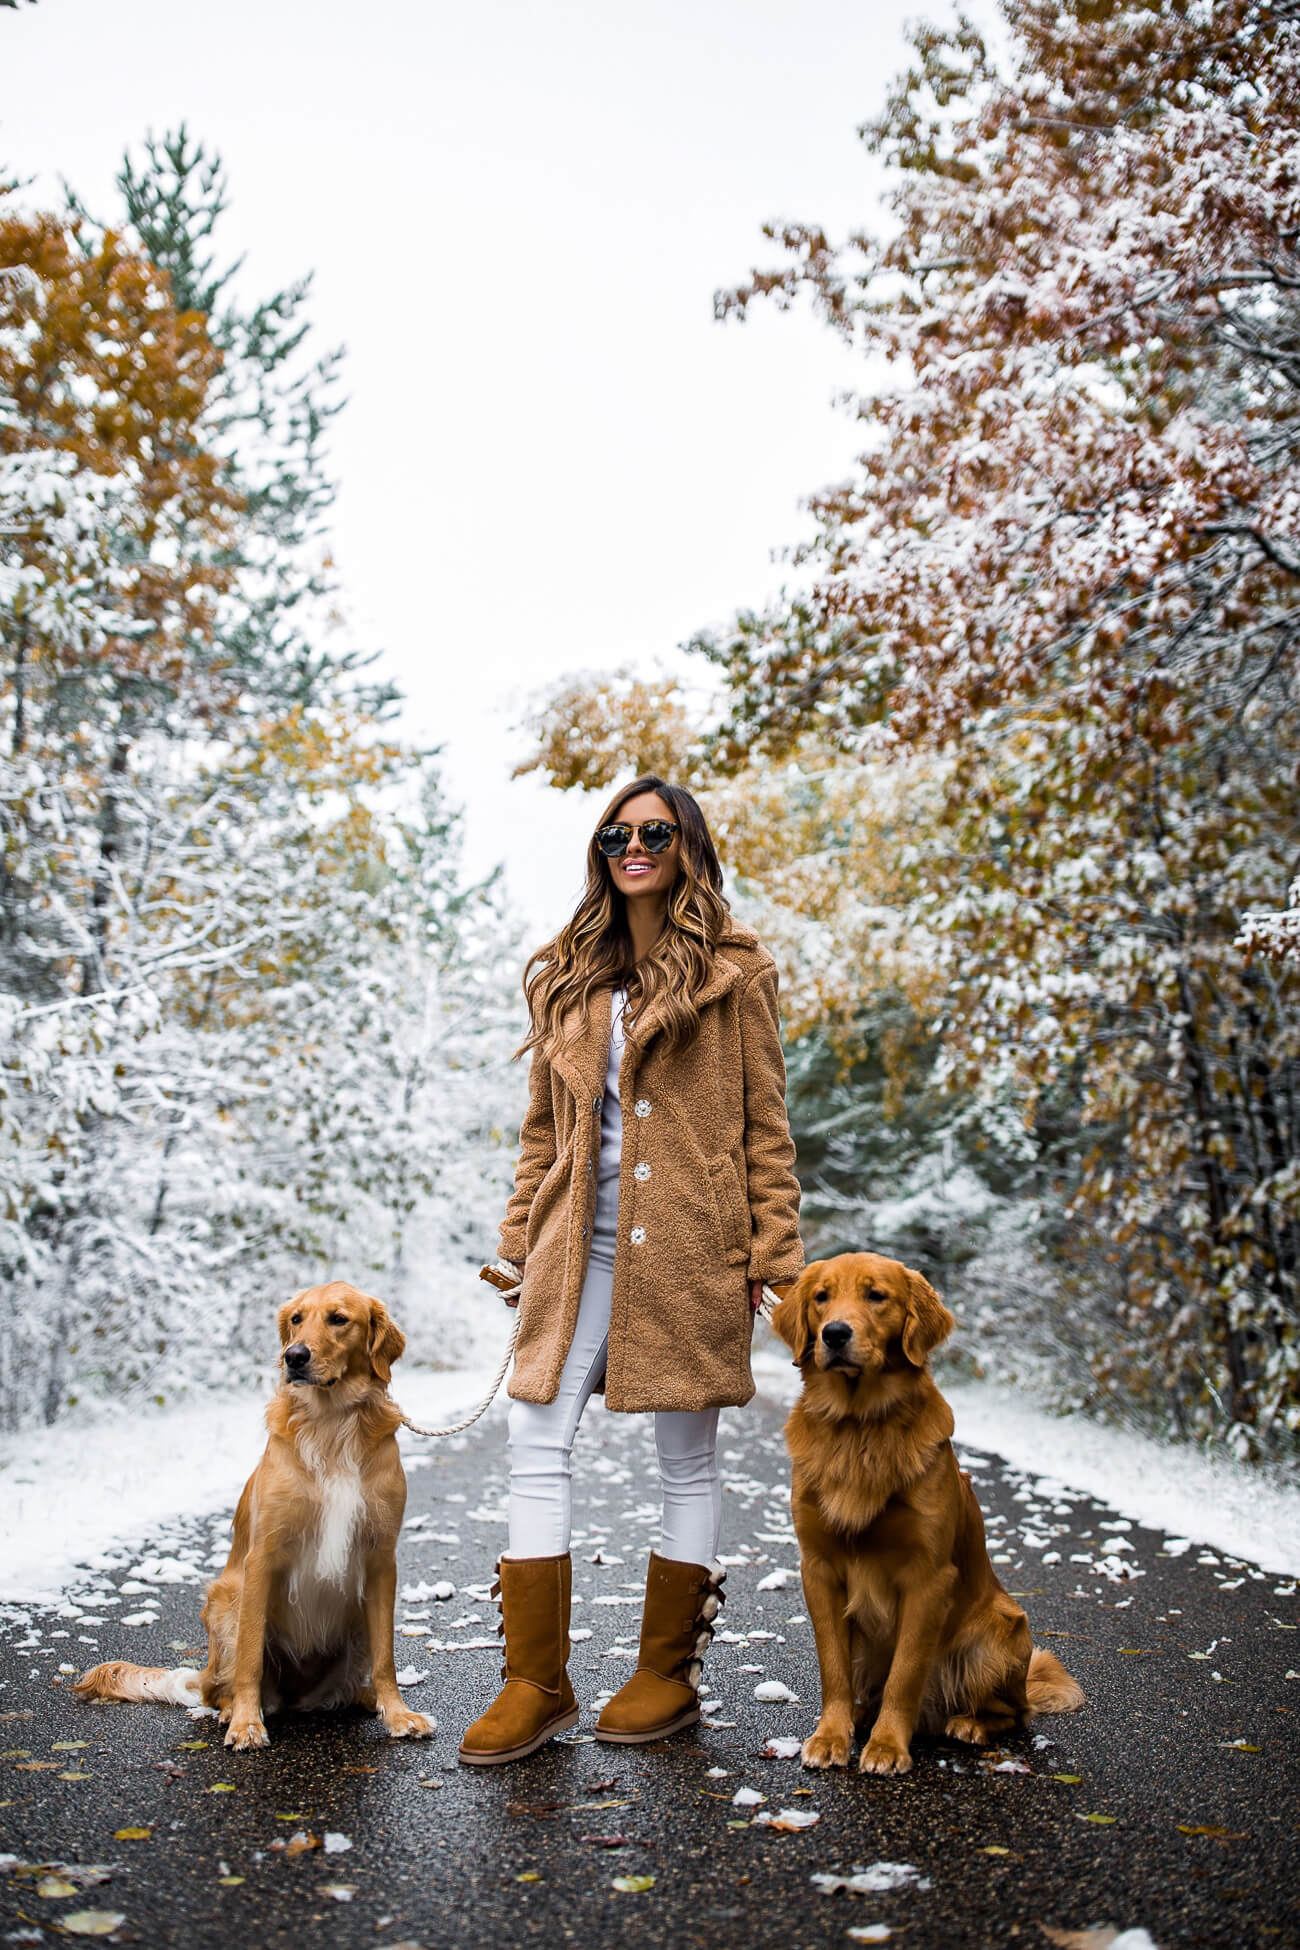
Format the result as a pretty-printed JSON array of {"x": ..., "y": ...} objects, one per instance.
[
  {"x": 537, "y": 1700},
  {"x": 681, "y": 1603}
]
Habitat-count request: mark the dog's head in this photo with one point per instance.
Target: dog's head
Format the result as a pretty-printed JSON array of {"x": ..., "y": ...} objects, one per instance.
[
  {"x": 336, "y": 1333},
  {"x": 854, "y": 1314}
]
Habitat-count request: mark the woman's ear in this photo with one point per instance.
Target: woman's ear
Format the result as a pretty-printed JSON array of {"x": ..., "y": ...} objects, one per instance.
[
  {"x": 928, "y": 1320},
  {"x": 790, "y": 1319},
  {"x": 386, "y": 1342}
]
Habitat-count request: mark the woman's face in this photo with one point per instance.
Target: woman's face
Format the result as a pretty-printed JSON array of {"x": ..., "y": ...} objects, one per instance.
[{"x": 640, "y": 875}]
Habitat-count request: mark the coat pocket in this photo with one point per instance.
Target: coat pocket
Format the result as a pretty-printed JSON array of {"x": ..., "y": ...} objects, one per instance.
[
  {"x": 551, "y": 1191},
  {"x": 733, "y": 1213}
]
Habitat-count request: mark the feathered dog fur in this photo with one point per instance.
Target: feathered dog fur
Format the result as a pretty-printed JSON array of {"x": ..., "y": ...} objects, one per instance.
[
  {"x": 302, "y": 1615},
  {"x": 913, "y": 1627}
]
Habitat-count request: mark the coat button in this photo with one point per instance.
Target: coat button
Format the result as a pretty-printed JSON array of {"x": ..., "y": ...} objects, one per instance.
[
  {"x": 642, "y": 1107},
  {"x": 590, "y": 1167},
  {"x": 584, "y": 1232},
  {"x": 642, "y": 1171},
  {"x": 595, "y": 1105},
  {"x": 637, "y": 1235}
]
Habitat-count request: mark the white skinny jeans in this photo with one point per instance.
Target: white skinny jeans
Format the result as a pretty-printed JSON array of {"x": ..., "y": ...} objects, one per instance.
[{"x": 541, "y": 1446}]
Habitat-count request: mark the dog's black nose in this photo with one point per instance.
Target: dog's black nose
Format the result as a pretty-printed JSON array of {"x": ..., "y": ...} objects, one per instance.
[
  {"x": 836, "y": 1335},
  {"x": 296, "y": 1355}
]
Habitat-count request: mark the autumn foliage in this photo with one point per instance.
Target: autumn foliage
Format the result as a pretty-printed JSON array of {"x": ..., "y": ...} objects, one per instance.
[{"x": 1028, "y": 722}]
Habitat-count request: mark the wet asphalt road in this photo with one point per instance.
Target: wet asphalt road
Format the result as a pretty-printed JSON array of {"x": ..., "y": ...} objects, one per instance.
[{"x": 1168, "y": 1802}]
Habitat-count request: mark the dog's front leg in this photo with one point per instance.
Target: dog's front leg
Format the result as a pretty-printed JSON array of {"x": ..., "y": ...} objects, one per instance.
[
  {"x": 381, "y": 1594},
  {"x": 922, "y": 1607},
  {"x": 246, "y": 1727},
  {"x": 826, "y": 1598}
]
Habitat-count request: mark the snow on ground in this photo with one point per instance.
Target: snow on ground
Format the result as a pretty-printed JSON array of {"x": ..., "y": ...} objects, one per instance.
[
  {"x": 79, "y": 1490},
  {"x": 1210, "y": 1499},
  {"x": 86, "y": 1488}
]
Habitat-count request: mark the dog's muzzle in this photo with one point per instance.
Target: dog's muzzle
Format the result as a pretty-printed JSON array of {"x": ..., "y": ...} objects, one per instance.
[
  {"x": 297, "y": 1362},
  {"x": 836, "y": 1337}
]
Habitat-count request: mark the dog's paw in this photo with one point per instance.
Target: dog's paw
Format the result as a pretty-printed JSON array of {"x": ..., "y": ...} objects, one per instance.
[
  {"x": 885, "y": 1755},
  {"x": 405, "y": 1725},
  {"x": 245, "y": 1734},
  {"x": 826, "y": 1749},
  {"x": 965, "y": 1726}
]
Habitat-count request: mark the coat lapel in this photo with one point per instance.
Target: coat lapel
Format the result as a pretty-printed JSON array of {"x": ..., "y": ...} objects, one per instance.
[
  {"x": 585, "y": 1057},
  {"x": 584, "y": 1061}
]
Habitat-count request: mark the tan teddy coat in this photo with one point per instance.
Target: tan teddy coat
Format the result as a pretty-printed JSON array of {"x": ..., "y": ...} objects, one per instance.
[{"x": 707, "y": 1197}]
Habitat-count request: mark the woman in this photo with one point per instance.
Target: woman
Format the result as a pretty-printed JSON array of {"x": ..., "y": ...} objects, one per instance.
[{"x": 654, "y": 1195}]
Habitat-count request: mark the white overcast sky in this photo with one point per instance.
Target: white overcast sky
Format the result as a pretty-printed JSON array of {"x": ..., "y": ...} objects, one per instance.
[{"x": 553, "y": 458}]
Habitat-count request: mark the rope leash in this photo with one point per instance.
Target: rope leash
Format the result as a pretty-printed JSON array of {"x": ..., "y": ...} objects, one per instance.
[{"x": 510, "y": 1294}]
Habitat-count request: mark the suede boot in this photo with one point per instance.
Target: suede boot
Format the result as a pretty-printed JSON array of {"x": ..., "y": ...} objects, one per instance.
[
  {"x": 537, "y": 1700},
  {"x": 681, "y": 1602}
]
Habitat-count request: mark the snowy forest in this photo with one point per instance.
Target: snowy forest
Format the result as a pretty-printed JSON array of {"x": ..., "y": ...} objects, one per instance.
[
  {"x": 1009, "y": 778},
  {"x": 254, "y": 1022}
]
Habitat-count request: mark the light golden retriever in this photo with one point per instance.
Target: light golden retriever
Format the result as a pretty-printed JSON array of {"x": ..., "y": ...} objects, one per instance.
[
  {"x": 302, "y": 1615},
  {"x": 913, "y": 1627}
]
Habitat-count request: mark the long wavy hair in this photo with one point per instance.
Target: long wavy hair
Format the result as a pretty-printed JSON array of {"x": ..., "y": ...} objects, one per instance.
[{"x": 594, "y": 949}]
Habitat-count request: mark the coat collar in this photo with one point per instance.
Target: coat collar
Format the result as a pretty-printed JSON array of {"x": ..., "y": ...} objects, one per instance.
[{"x": 584, "y": 1061}]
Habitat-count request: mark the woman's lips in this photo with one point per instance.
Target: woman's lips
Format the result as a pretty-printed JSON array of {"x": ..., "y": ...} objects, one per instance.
[{"x": 636, "y": 869}]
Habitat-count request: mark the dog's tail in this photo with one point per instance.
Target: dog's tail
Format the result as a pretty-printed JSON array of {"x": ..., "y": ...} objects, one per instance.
[
  {"x": 1049, "y": 1686},
  {"x": 118, "y": 1680}
]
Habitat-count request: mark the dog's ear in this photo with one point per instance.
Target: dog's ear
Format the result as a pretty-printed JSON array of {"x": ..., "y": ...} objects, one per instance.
[
  {"x": 283, "y": 1318},
  {"x": 791, "y": 1320},
  {"x": 386, "y": 1342},
  {"x": 928, "y": 1320}
]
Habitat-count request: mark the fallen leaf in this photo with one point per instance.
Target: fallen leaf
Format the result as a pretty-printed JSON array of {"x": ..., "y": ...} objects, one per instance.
[
  {"x": 67, "y": 1746},
  {"x": 230, "y": 1882},
  {"x": 93, "y": 1922},
  {"x": 1102, "y": 1821},
  {"x": 300, "y": 1843},
  {"x": 358, "y": 1770},
  {"x": 529, "y": 1875},
  {"x": 221, "y": 1787},
  {"x": 55, "y": 1886},
  {"x": 342, "y": 1892},
  {"x": 1239, "y": 1747},
  {"x": 304, "y": 1814},
  {"x": 632, "y": 1885},
  {"x": 1227, "y": 1834},
  {"x": 17, "y": 1753},
  {"x": 1071, "y": 1780},
  {"x": 37, "y": 1766},
  {"x": 67, "y": 1775},
  {"x": 992, "y": 1848},
  {"x": 26, "y": 1713},
  {"x": 132, "y": 1834},
  {"x": 188, "y": 1746}
]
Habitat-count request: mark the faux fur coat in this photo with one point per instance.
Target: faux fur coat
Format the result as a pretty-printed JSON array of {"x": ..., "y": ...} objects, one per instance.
[{"x": 707, "y": 1196}]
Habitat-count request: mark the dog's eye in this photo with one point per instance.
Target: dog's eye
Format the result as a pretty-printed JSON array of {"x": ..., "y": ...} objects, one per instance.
[
  {"x": 821, "y": 1296},
  {"x": 874, "y": 1294},
  {"x": 295, "y": 1319},
  {"x": 337, "y": 1320}
]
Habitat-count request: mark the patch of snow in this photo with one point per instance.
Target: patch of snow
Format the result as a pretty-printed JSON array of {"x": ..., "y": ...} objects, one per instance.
[
  {"x": 1197, "y": 1498},
  {"x": 103, "y": 1479}
]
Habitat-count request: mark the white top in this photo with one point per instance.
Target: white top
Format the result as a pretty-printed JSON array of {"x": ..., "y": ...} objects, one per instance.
[{"x": 604, "y": 1226}]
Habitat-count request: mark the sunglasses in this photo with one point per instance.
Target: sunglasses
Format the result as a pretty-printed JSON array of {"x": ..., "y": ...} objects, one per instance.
[{"x": 656, "y": 837}]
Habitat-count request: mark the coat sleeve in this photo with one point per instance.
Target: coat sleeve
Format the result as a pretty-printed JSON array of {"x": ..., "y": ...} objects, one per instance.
[
  {"x": 776, "y": 1250},
  {"x": 537, "y": 1153}
]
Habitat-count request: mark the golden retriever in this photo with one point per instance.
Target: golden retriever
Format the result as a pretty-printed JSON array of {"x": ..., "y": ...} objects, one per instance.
[
  {"x": 912, "y": 1625},
  {"x": 302, "y": 1615}
]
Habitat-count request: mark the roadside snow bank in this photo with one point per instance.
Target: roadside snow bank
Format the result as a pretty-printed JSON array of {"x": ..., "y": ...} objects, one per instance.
[
  {"x": 1248, "y": 1512},
  {"x": 77, "y": 1490}
]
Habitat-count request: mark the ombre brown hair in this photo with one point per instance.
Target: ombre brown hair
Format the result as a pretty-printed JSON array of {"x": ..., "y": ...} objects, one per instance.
[{"x": 594, "y": 949}]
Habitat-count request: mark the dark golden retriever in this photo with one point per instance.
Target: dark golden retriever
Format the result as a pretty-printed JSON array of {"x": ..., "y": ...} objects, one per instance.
[
  {"x": 302, "y": 1615},
  {"x": 913, "y": 1627}
]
